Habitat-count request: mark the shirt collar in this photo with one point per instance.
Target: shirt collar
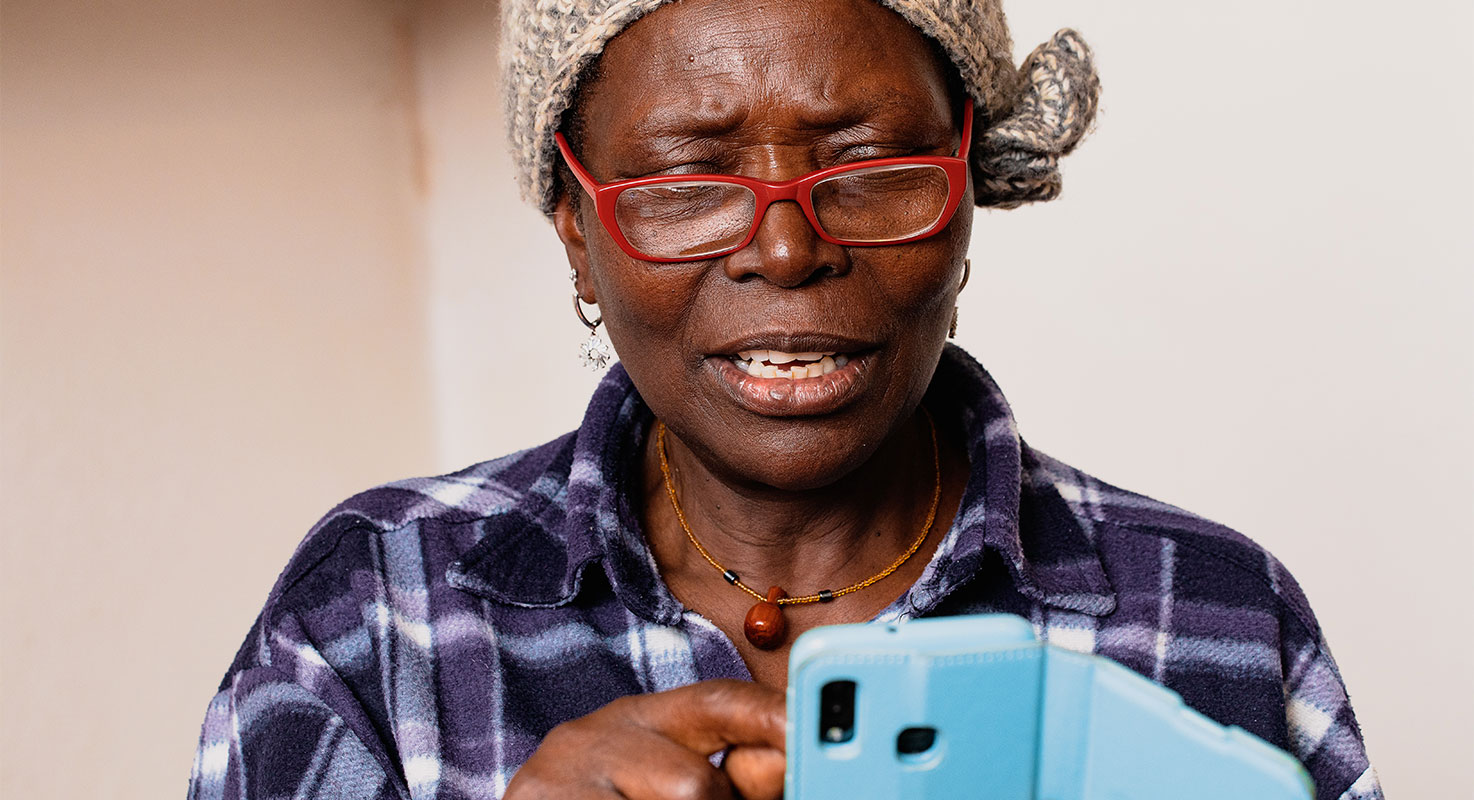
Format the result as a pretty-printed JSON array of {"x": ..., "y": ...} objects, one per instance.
[
  {"x": 580, "y": 512},
  {"x": 1012, "y": 506}
]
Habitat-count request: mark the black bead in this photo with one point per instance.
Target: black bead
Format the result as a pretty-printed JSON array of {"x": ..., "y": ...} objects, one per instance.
[
  {"x": 825, "y": 595},
  {"x": 730, "y": 576}
]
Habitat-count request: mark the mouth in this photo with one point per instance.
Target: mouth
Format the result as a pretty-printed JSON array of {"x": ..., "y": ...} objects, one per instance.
[{"x": 820, "y": 379}]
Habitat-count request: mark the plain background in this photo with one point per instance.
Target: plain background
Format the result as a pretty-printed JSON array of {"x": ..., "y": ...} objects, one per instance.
[{"x": 258, "y": 256}]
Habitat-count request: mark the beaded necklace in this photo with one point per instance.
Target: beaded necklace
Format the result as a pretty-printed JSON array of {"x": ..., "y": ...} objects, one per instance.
[{"x": 765, "y": 626}]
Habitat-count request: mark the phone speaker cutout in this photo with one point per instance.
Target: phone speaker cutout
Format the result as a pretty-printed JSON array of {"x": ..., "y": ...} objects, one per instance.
[{"x": 913, "y": 744}]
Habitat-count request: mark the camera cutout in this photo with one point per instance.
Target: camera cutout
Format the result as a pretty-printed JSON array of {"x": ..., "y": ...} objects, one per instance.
[{"x": 837, "y": 712}]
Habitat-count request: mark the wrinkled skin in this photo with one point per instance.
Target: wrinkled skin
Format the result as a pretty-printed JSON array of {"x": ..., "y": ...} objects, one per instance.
[{"x": 803, "y": 496}]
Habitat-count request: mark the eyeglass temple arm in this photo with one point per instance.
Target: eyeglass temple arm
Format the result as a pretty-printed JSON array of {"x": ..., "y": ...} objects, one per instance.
[
  {"x": 966, "y": 129},
  {"x": 579, "y": 172}
]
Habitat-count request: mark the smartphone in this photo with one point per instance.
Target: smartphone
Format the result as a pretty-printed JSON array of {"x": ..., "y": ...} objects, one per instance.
[{"x": 977, "y": 707}]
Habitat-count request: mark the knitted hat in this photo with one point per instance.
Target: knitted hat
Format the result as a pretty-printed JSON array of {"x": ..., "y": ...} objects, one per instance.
[{"x": 1030, "y": 116}]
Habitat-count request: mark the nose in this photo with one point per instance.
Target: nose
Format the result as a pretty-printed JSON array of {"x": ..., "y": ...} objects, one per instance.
[{"x": 786, "y": 250}]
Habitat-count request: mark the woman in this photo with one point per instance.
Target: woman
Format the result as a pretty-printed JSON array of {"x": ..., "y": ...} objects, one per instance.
[{"x": 770, "y": 206}]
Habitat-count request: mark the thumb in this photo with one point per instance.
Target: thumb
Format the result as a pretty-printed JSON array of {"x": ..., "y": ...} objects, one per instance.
[{"x": 756, "y": 772}]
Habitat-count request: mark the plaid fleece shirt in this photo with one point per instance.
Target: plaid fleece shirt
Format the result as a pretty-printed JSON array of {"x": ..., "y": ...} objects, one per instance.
[{"x": 427, "y": 634}]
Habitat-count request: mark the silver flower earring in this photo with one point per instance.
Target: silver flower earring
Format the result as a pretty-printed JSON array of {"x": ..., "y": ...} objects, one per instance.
[
  {"x": 966, "y": 273},
  {"x": 594, "y": 353}
]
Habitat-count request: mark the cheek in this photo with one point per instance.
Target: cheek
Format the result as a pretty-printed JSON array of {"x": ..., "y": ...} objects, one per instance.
[
  {"x": 919, "y": 285},
  {"x": 646, "y": 307}
]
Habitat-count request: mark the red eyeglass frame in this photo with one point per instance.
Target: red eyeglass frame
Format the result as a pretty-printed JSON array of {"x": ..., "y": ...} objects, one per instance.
[{"x": 799, "y": 190}]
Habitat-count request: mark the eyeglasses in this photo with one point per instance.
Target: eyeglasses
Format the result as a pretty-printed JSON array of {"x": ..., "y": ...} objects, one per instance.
[{"x": 671, "y": 218}]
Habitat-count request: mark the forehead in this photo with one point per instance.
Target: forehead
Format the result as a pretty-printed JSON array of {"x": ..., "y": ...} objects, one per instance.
[{"x": 825, "y": 60}]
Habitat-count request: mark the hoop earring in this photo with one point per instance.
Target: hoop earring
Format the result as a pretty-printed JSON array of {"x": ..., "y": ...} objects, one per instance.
[
  {"x": 594, "y": 353},
  {"x": 966, "y": 273}
]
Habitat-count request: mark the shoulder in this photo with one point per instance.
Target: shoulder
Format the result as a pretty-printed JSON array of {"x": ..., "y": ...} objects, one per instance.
[
  {"x": 475, "y": 493},
  {"x": 361, "y": 598},
  {"x": 1138, "y": 537},
  {"x": 478, "y": 491},
  {"x": 404, "y": 532},
  {"x": 1216, "y": 618}
]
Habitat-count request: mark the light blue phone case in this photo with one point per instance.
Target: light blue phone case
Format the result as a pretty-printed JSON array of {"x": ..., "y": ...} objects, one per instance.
[{"x": 1013, "y": 719}]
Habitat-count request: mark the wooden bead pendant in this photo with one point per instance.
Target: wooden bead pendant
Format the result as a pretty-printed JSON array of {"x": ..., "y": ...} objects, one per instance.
[{"x": 765, "y": 626}]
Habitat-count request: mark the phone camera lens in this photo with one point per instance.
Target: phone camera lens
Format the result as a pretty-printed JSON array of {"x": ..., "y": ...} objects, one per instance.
[{"x": 837, "y": 712}]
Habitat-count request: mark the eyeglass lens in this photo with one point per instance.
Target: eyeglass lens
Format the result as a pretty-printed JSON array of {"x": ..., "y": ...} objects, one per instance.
[
  {"x": 692, "y": 219},
  {"x": 881, "y": 204}
]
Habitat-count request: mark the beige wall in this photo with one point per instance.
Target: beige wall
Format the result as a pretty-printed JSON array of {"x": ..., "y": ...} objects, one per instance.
[
  {"x": 213, "y": 329},
  {"x": 503, "y": 334},
  {"x": 258, "y": 256}
]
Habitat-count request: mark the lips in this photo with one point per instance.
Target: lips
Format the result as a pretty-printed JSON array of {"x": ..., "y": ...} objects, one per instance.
[{"x": 793, "y": 375}]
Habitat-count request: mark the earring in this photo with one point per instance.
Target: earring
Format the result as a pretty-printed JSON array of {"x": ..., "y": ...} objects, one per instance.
[
  {"x": 966, "y": 273},
  {"x": 594, "y": 354}
]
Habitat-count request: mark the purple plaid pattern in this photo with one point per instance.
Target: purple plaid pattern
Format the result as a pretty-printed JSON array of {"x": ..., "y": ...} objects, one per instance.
[{"x": 428, "y": 633}]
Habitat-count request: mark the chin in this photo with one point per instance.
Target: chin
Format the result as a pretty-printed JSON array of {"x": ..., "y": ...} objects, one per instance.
[{"x": 793, "y": 454}]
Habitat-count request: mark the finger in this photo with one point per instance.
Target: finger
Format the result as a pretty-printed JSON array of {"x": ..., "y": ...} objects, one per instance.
[
  {"x": 713, "y": 715},
  {"x": 756, "y": 772},
  {"x": 581, "y": 762},
  {"x": 665, "y": 770}
]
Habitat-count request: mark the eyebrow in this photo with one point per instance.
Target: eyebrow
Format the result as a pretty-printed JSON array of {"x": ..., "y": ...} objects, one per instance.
[{"x": 663, "y": 123}]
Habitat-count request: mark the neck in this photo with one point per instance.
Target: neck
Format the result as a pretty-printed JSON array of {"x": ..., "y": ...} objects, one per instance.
[{"x": 823, "y": 538}]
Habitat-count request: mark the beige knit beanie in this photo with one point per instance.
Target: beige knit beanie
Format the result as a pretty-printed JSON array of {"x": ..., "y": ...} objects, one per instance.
[{"x": 1030, "y": 116}]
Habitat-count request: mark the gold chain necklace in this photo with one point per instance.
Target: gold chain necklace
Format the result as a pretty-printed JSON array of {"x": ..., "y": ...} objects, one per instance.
[{"x": 765, "y": 626}]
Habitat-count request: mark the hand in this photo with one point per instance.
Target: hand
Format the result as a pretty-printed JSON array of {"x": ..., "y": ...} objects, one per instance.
[{"x": 656, "y": 747}]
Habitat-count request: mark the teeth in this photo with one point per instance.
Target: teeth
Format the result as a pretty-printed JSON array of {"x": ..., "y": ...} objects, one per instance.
[
  {"x": 778, "y": 356},
  {"x": 764, "y": 364}
]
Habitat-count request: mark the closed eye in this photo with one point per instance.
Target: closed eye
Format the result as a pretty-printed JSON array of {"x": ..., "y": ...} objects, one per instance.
[{"x": 874, "y": 151}]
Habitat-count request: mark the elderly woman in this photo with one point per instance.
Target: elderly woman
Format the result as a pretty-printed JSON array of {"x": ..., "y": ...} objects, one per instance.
[{"x": 767, "y": 206}]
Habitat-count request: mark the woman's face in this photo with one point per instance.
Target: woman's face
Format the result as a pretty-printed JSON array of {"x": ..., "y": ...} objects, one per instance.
[{"x": 771, "y": 91}]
